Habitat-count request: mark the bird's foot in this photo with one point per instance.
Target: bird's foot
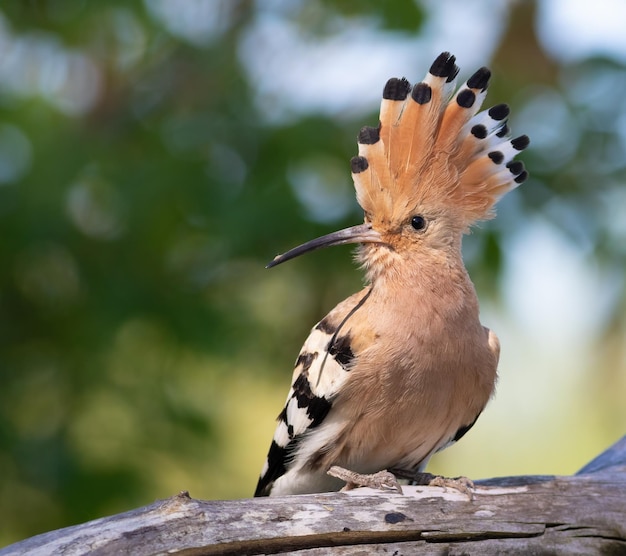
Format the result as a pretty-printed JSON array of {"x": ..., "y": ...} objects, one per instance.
[
  {"x": 462, "y": 484},
  {"x": 383, "y": 480}
]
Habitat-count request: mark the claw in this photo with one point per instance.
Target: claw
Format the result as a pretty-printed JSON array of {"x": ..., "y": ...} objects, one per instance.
[
  {"x": 462, "y": 484},
  {"x": 383, "y": 480}
]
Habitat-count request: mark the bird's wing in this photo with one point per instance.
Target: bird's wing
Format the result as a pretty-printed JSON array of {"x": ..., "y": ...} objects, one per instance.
[{"x": 321, "y": 368}]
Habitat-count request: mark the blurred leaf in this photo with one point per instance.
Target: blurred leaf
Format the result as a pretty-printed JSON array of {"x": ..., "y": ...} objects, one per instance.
[{"x": 394, "y": 15}]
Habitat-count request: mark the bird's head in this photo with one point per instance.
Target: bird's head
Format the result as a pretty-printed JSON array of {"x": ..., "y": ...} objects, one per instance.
[{"x": 432, "y": 167}]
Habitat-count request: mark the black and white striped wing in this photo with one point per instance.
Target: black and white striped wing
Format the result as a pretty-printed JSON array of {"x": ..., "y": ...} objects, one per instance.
[{"x": 321, "y": 368}]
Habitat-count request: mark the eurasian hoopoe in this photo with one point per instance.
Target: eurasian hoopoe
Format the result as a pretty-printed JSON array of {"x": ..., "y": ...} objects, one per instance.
[{"x": 403, "y": 368}]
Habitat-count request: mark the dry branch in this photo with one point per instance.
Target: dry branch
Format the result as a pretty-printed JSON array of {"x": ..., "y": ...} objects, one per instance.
[{"x": 580, "y": 514}]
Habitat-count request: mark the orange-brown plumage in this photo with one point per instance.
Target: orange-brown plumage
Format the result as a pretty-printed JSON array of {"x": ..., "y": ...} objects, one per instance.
[
  {"x": 403, "y": 368},
  {"x": 426, "y": 153}
]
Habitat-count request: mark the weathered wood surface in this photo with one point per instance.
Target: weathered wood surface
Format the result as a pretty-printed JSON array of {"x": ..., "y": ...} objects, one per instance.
[{"x": 580, "y": 514}]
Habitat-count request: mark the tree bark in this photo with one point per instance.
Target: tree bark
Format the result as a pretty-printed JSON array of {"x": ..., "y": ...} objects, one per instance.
[{"x": 580, "y": 514}]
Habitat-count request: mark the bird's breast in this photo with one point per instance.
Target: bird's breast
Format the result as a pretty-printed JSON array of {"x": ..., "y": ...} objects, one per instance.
[{"x": 420, "y": 372}]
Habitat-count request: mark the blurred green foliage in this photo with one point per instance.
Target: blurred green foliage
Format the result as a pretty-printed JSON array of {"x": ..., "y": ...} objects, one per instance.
[{"x": 142, "y": 190}]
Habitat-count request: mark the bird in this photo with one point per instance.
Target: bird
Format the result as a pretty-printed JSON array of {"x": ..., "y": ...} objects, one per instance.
[{"x": 403, "y": 368}]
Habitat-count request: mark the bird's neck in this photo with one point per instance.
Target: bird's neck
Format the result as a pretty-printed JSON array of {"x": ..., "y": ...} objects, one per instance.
[
  {"x": 384, "y": 265},
  {"x": 438, "y": 275}
]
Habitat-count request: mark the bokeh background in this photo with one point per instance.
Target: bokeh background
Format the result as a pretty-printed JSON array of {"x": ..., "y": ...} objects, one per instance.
[{"x": 155, "y": 155}]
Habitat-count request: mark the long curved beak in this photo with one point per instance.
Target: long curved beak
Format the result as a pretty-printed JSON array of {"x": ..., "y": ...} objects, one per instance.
[{"x": 363, "y": 233}]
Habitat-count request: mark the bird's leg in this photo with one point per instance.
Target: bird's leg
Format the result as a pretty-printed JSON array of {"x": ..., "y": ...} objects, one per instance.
[
  {"x": 383, "y": 480},
  {"x": 462, "y": 484}
]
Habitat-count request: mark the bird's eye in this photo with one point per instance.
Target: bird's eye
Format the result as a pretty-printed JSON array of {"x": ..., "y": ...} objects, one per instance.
[{"x": 418, "y": 222}]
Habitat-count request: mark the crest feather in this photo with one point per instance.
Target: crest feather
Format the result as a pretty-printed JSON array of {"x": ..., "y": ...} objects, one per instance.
[{"x": 433, "y": 148}]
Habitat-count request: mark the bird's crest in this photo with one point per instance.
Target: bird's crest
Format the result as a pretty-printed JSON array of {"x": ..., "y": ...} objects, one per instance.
[{"x": 434, "y": 149}]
